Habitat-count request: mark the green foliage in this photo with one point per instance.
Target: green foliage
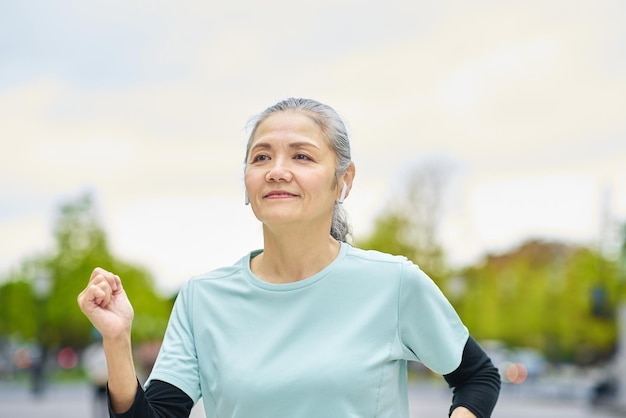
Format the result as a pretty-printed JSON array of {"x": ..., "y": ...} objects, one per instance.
[
  {"x": 53, "y": 318},
  {"x": 389, "y": 236},
  {"x": 541, "y": 295},
  {"x": 17, "y": 302},
  {"x": 392, "y": 234}
]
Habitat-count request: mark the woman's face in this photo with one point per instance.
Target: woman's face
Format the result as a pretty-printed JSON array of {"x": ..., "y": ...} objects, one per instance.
[{"x": 290, "y": 171}]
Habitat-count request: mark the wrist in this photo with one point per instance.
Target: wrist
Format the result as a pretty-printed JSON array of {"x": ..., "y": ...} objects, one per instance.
[{"x": 119, "y": 339}]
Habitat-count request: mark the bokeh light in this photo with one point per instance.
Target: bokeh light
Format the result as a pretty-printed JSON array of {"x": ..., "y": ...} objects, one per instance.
[
  {"x": 516, "y": 373},
  {"x": 22, "y": 358},
  {"x": 67, "y": 358}
]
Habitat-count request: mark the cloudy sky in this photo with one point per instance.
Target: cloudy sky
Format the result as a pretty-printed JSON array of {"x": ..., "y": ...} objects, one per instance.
[{"x": 144, "y": 105}]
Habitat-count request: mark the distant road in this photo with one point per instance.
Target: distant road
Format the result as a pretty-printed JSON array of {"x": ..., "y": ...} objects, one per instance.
[
  {"x": 76, "y": 401},
  {"x": 429, "y": 402}
]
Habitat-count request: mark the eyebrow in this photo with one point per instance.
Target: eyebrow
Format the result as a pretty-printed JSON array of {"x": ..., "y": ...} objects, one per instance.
[{"x": 298, "y": 144}]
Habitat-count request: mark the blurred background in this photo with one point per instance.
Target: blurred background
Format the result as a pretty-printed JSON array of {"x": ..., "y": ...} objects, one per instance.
[{"x": 489, "y": 139}]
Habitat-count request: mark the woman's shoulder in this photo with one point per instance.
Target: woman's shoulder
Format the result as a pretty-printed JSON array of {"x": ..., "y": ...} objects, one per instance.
[
  {"x": 375, "y": 256},
  {"x": 216, "y": 274},
  {"x": 221, "y": 273},
  {"x": 385, "y": 264}
]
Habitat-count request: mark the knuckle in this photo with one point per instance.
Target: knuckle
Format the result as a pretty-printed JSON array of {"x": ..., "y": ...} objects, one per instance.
[{"x": 97, "y": 271}]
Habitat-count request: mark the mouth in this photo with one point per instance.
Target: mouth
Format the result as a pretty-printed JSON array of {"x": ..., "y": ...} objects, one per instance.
[{"x": 279, "y": 194}]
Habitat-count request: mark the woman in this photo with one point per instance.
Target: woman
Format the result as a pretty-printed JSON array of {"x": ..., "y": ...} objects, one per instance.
[{"x": 306, "y": 327}]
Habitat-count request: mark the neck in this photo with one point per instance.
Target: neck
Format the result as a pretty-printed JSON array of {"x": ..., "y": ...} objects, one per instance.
[{"x": 293, "y": 255}]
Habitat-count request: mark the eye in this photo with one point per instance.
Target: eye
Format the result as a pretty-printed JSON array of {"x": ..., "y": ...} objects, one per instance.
[
  {"x": 259, "y": 158},
  {"x": 301, "y": 157}
]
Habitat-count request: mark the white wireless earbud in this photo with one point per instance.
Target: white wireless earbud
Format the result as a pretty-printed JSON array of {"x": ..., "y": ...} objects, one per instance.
[
  {"x": 342, "y": 197},
  {"x": 246, "y": 199}
]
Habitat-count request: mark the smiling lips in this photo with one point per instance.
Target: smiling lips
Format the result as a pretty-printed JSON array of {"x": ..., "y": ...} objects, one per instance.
[{"x": 279, "y": 194}]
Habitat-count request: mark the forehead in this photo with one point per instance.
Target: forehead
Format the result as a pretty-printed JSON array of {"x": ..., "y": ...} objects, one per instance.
[{"x": 289, "y": 124}]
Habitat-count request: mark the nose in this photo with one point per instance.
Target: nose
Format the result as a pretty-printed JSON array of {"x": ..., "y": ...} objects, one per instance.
[{"x": 279, "y": 171}]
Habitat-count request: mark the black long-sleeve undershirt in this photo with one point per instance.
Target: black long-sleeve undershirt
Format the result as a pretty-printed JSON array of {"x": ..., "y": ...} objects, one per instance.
[
  {"x": 160, "y": 400},
  {"x": 476, "y": 384}
]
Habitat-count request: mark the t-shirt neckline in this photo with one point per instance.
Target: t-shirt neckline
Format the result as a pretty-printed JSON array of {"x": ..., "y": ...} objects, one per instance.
[{"x": 281, "y": 287}]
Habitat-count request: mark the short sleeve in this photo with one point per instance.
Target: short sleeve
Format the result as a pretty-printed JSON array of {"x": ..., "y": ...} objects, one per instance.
[
  {"x": 429, "y": 328},
  {"x": 177, "y": 362}
]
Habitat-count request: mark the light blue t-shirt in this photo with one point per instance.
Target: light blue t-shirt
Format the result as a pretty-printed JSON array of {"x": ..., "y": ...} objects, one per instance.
[{"x": 333, "y": 345}]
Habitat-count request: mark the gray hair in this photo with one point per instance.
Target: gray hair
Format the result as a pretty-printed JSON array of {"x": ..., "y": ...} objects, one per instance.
[{"x": 334, "y": 129}]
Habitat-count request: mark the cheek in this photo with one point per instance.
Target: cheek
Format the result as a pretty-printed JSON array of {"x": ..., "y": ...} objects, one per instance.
[
  {"x": 325, "y": 185},
  {"x": 250, "y": 179}
]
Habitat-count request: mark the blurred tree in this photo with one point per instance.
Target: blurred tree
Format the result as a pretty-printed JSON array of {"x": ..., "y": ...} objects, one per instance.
[
  {"x": 16, "y": 303},
  {"x": 389, "y": 235},
  {"x": 555, "y": 297},
  {"x": 51, "y": 284},
  {"x": 622, "y": 261}
]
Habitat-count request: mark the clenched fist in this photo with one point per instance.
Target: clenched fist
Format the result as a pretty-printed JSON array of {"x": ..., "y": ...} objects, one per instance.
[{"x": 106, "y": 305}]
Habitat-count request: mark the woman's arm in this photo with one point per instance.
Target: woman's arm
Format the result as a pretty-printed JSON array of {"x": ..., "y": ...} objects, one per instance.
[
  {"x": 106, "y": 305},
  {"x": 122, "y": 384},
  {"x": 476, "y": 384}
]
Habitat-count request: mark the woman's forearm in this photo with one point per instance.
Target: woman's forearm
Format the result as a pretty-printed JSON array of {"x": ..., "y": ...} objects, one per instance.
[{"x": 122, "y": 385}]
